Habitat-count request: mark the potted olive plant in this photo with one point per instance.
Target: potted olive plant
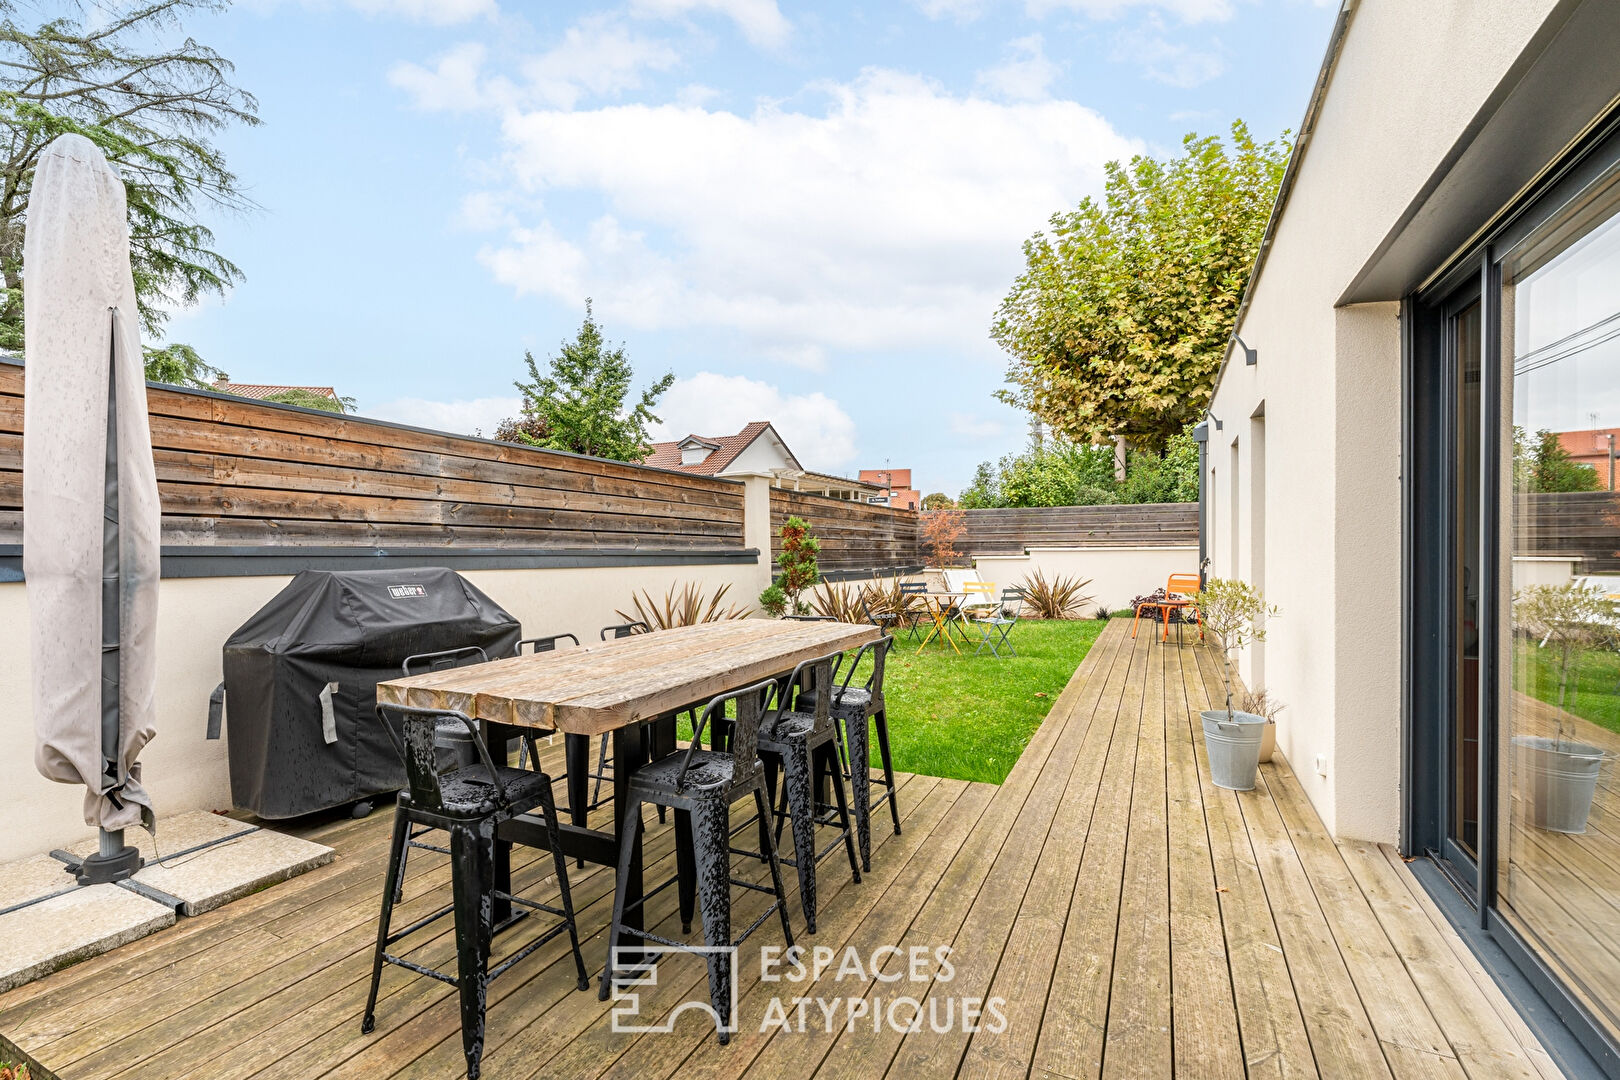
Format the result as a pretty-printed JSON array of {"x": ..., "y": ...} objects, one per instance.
[
  {"x": 1562, "y": 773},
  {"x": 1235, "y": 613}
]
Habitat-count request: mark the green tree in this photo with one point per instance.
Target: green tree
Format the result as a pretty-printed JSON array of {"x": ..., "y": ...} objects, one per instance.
[
  {"x": 309, "y": 399},
  {"x": 108, "y": 73},
  {"x": 938, "y": 501},
  {"x": 800, "y": 571},
  {"x": 1540, "y": 463},
  {"x": 1126, "y": 305},
  {"x": 581, "y": 400},
  {"x": 179, "y": 365},
  {"x": 1057, "y": 472}
]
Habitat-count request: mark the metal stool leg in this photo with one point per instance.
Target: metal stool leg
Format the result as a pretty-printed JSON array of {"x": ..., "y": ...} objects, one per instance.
[
  {"x": 627, "y": 848},
  {"x": 473, "y": 879},
  {"x": 776, "y": 875},
  {"x": 711, "y": 829},
  {"x": 860, "y": 783},
  {"x": 881, "y": 719},
  {"x": 836, "y": 775},
  {"x": 548, "y": 806},
  {"x": 686, "y": 868},
  {"x": 396, "y": 865},
  {"x": 797, "y": 784}
]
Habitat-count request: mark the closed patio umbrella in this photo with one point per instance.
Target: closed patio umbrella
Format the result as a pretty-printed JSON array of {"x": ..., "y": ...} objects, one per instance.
[{"x": 90, "y": 502}]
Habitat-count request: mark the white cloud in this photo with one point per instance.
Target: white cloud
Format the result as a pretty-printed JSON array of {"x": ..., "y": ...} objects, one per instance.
[
  {"x": 462, "y": 417},
  {"x": 1191, "y": 11},
  {"x": 439, "y": 12},
  {"x": 817, "y": 429},
  {"x": 970, "y": 426},
  {"x": 1167, "y": 61},
  {"x": 598, "y": 56},
  {"x": 760, "y": 21},
  {"x": 450, "y": 86},
  {"x": 962, "y": 11},
  {"x": 890, "y": 218},
  {"x": 1025, "y": 75}
]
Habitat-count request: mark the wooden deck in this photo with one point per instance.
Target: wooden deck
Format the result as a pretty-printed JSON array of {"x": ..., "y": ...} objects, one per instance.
[{"x": 1135, "y": 921}]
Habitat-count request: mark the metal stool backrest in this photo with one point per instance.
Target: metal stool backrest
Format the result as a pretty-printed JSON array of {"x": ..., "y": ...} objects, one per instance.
[
  {"x": 881, "y": 622},
  {"x": 743, "y": 738},
  {"x": 625, "y": 630},
  {"x": 879, "y": 651},
  {"x": 542, "y": 644},
  {"x": 817, "y": 675},
  {"x": 465, "y": 656},
  {"x": 417, "y": 727}
]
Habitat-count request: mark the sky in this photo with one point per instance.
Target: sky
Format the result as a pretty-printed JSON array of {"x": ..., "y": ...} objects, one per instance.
[{"x": 807, "y": 212}]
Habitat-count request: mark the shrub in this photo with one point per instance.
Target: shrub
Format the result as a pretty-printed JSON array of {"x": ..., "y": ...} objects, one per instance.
[
  {"x": 688, "y": 608},
  {"x": 773, "y": 601},
  {"x": 941, "y": 529},
  {"x": 841, "y": 602},
  {"x": 798, "y": 563},
  {"x": 1059, "y": 598}
]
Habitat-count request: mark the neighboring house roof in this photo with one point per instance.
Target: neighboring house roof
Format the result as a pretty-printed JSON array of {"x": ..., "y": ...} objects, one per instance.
[
  {"x": 843, "y": 480},
  {"x": 723, "y": 450},
  {"x": 264, "y": 390}
]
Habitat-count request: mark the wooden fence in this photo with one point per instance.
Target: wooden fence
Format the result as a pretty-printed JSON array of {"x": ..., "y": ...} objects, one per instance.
[
  {"x": 1585, "y": 523},
  {"x": 853, "y": 535},
  {"x": 237, "y": 472},
  {"x": 1010, "y": 531}
]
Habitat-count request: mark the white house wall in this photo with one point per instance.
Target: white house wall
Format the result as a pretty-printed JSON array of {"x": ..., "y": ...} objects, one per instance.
[{"x": 1409, "y": 79}]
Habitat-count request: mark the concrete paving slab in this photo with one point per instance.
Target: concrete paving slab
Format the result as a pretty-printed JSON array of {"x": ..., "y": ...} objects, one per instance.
[
  {"x": 45, "y": 937},
  {"x": 206, "y": 879}
]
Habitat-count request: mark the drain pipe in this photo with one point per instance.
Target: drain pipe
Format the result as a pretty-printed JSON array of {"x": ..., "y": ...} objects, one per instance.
[{"x": 1201, "y": 437}]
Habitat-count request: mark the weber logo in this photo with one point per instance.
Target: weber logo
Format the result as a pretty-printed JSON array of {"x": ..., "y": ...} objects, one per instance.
[{"x": 400, "y": 592}]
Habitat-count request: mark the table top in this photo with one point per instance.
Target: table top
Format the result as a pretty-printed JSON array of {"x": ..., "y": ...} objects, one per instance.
[{"x": 605, "y": 685}]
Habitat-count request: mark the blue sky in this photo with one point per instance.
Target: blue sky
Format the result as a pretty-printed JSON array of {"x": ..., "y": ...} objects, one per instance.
[{"x": 807, "y": 212}]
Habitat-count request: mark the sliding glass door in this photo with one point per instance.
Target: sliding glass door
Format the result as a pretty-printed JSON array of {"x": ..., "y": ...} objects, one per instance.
[{"x": 1558, "y": 861}]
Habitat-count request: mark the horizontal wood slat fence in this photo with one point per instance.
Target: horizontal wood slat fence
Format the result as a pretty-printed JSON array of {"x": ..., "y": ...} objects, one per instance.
[
  {"x": 1585, "y": 523},
  {"x": 853, "y": 535},
  {"x": 1010, "y": 531},
  {"x": 236, "y": 472}
]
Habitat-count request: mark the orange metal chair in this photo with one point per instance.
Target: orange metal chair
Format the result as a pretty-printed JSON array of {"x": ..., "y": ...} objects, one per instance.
[{"x": 1178, "y": 595}]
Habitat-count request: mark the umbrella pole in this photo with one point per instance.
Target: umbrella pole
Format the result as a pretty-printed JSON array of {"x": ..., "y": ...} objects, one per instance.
[{"x": 114, "y": 860}]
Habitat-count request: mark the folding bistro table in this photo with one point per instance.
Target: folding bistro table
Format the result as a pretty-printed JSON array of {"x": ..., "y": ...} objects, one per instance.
[{"x": 615, "y": 687}]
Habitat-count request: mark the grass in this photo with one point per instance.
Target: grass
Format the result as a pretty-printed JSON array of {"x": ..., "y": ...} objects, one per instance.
[
  {"x": 970, "y": 717},
  {"x": 1594, "y": 681}
]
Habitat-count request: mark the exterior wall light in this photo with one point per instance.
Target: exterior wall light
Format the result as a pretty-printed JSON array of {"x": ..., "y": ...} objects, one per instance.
[{"x": 1250, "y": 356}]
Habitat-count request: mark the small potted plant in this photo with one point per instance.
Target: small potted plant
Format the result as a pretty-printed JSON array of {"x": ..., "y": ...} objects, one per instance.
[
  {"x": 1235, "y": 613},
  {"x": 1263, "y": 702},
  {"x": 1562, "y": 773}
]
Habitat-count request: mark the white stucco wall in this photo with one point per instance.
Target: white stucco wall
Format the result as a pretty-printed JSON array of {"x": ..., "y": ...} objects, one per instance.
[
  {"x": 1117, "y": 575},
  {"x": 183, "y": 770},
  {"x": 1328, "y": 387}
]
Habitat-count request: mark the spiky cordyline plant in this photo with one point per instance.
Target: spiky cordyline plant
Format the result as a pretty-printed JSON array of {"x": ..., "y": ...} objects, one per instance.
[
  {"x": 687, "y": 608},
  {"x": 1058, "y": 598},
  {"x": 1236, "y": 613}
]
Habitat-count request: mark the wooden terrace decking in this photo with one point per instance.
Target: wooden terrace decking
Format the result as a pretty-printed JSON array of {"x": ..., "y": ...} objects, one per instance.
[{"x": 1137, "y": 922}]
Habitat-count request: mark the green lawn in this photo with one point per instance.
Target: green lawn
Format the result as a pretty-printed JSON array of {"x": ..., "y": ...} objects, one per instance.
[
  {"x": 1594, "y": 681},
  {"x": 969, "y": 717},
  {"x": 966, "y": 716}
]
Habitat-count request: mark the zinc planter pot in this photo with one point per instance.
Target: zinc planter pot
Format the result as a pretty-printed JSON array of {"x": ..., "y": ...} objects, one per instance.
[
  {"x": 1233, "y": 747},
  {"x": 1561, "y": 776}
]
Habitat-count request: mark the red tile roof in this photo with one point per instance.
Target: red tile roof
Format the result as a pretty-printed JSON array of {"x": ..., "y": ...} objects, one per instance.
[
  {"x": 263, "y": 390},
  {"x": 667, "y": 455}
]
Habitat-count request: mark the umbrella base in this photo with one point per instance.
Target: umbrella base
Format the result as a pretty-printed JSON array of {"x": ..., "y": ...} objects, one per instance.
[{"x": 101, "y": 868}]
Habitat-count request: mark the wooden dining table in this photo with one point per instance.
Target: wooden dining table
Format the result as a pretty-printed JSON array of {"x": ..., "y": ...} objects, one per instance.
[{"x": 612, "y": 689}]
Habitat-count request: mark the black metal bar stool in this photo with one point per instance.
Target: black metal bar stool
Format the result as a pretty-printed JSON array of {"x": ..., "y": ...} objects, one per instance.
[
  {"x": 540, "y": 645},
  {"x": 469, "y": 804},
  {"x": 802, "y": 745},
  {"x": 452, "y": 750},
  {"x": 858, "y": 710},
  {"x": 700, "y": 786}
]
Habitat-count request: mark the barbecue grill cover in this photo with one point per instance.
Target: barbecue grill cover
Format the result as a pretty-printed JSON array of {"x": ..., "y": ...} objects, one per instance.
[{"x": 346, "y": 631}]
